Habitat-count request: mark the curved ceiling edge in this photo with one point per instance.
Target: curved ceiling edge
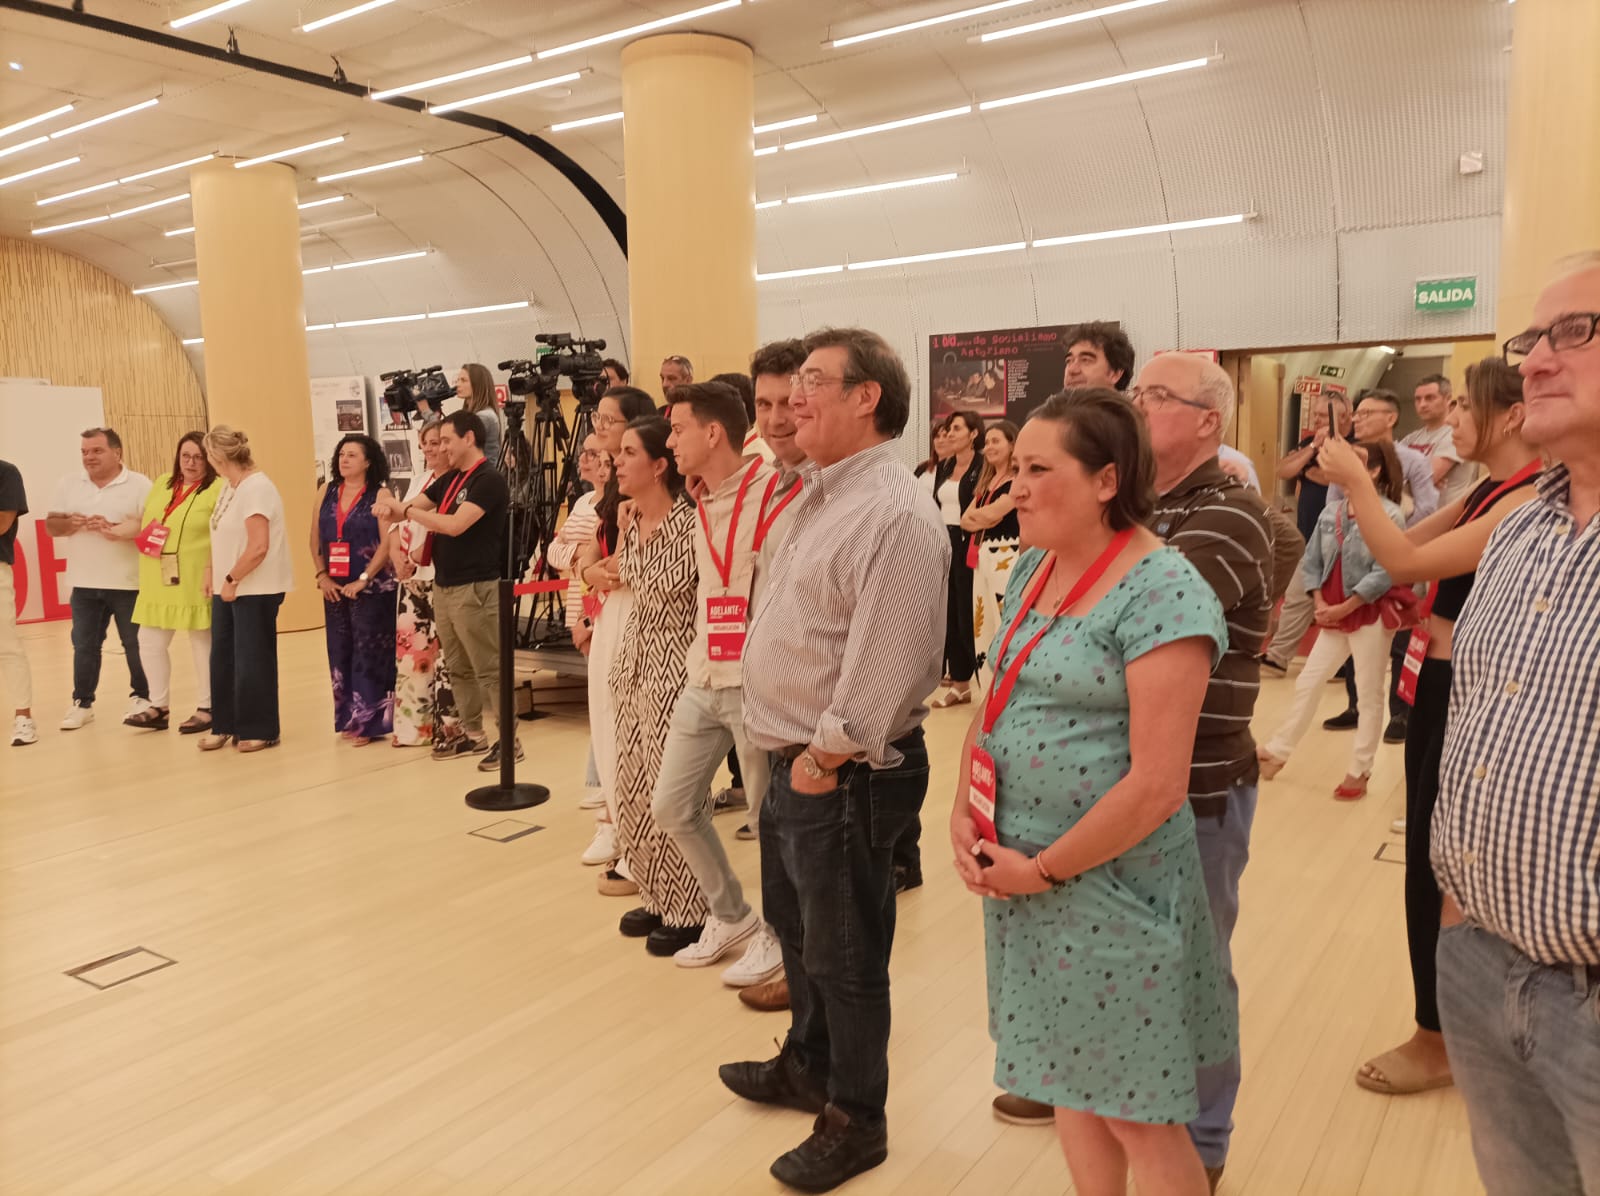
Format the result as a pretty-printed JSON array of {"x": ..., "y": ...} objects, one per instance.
[{"x": 598, "y": 197}]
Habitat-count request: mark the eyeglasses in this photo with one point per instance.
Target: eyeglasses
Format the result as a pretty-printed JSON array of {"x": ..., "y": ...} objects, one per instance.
[
  {"x": 605, "y": 421},
  {"x": 1155, "y": 396},
  {"x": 809, "y": 382},
  {"x": 590, "y": 454},
  {"x": 1569, "y": 332}
]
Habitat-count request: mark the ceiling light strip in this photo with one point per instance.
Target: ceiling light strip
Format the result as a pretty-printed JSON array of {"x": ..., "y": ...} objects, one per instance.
[
  {"x": 441, "y": 109},
  {"x": 40, "y": 203},
  {"x": 193, "y": 17},
  {"x": 948, "y": 18},
  {"x": 410, "y": 319},
  {"x": 886, "y": 126},
  {"x": 1176, "y": 226},
  {"x": 771, "y": 149},
  {"x": 38, "y": 170},
  {"x": 151, "y": 206},
  {"x": 603, "y": 119},
  {"x": 321, "y": 203},
  {"x": 898, "y": 185},
  {"x": 646, "y": 27},
  {"x": 1069, "y": 19},
  {"x": 166, "y": 286},
  {"x": 1095, "y": 84},
  {"x": 793, "y": 123},
  {"x": 22, "y": 145},
  {"x": 284, "y": 153},
  {"x": 441, "y": 80},
  {"x": 763, "y": 204},
  {"x": 131, "y": 178},
  {"x": 335, "y": 18},
  {"x": 805, "y": 273},
  {"x": 195, "y": 340},
  {"x": 371, "y": 261},
  {"x": 109, "y": 116},
  {"x": 360, "y": 170},
  {"x": 473, "y": 311},
  {"x": 943, "y": 255},
  {"x": 35, "y": 120},
  {"x": 61, "y": 228}
]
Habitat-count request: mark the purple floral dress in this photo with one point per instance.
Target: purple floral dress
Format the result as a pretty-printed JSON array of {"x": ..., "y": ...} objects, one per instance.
[{"x": 360, "y": 630}]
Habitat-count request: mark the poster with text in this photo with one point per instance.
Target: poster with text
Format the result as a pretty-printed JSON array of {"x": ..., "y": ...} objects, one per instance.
[
  {"x": 338, "y": 407},
  {"x": 1003, "y": 374}
]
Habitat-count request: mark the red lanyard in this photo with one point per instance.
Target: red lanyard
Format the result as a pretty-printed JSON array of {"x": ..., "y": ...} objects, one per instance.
[
  {"x": 724, "y": 565},
  {"x": 1511, "y": 483},
  {"x": 455, "y": 486},
  {"x": 340, "y": 514},
  {"x": 183, "y": 492},
  {"x": 1001, "y": 693},
  {"x": 765, "y": 521}
]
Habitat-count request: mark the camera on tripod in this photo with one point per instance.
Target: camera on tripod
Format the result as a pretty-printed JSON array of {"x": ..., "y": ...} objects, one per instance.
[
  {"x": 569, "y": 357},
  {"x": 413, "y": 392}
]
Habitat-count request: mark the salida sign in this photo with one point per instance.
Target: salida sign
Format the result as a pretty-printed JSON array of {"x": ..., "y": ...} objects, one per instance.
[{"x": 1446, "y": 294}]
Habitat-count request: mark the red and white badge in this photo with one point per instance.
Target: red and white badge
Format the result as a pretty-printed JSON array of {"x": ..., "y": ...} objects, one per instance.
[
  {"x": 338, "y": 559},
  {"x": 1411, "y": 669},
  {"x": 725, "y": 627},
  {"x": 152, "y": 538},
  {"x": 980, "y": 793}
]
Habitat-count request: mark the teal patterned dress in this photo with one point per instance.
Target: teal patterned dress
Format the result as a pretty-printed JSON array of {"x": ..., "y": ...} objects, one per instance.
[{"x": 1105, "y": 993}]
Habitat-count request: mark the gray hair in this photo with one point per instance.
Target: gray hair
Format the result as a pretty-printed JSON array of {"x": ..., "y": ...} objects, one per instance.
[
  {"x": 1576, "y": 263},
  {"x": 1215, "y": 389}
]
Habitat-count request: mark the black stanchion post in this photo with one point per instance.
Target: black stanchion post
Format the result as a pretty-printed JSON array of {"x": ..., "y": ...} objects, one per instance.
[{"x": 507, "y": 795}]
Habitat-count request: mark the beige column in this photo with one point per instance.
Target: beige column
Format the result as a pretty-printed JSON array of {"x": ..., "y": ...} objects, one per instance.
[
  {"x": 688, "y": 105},
  {"x": 252, "y": 315},
  {"x": 1552, "y": 202}
]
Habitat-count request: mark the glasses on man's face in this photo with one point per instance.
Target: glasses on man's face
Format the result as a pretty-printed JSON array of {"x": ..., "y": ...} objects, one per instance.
[
  {"x": 809, "y": 382},
  {"x": 1569, "y": 332},
  {"x": 1156, "y": 396}
]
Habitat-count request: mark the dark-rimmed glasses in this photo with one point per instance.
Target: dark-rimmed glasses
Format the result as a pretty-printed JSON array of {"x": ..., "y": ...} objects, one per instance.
[{"x": 1571, "y": 331}]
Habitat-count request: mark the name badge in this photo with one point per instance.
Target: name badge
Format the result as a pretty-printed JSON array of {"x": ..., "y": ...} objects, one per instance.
[
  {"x": 981, "y": 789},
  {"x": 169, "y": 570},
  {"x": 151, "y": 538},
  {"x": 338, "y": 559},
  {"x": 725, "y": 627},
  {"x": 1411, "y": 669}
]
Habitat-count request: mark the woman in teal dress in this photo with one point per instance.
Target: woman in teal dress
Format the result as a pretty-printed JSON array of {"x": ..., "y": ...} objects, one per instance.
[
  {"x": 174, "y": 542},
  {"x": 1105, "y": 990}
]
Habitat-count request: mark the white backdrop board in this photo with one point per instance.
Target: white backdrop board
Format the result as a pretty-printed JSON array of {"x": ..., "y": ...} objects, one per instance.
[
  {"x": 39, "y": 434},
  {"x": 338, "y": 407}
]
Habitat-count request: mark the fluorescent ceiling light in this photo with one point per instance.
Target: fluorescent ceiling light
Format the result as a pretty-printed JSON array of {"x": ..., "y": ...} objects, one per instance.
[
  {"x": 60, "y": 228},
  {"x": 335, "y": 18},
  {"x": 603, "y": 118},
  {"x": 867, "y": 130},
  {"x": 146, "y": 207},
  {"x": 35, "y": 120},
  {"x": 900, "y": 184},
  {"x": 350, "y": 174},
  {"x": 195, "y": 340},
  {"x": 166, "y": 286},
  {"x": 132, "y": 178},
  {"x": 648, "y": 26},
  {"x": 806, "y": 273},
  {"x": 22, "y": 145},
  {"x": 771, "y": 149},
  {"x": 440, "y": 109},
  {"x": 322, "y": 203},
  {"x": 912, "y": 259},
  {"x": 839, "y": 43},
  {"x": 472, "y": 311},
  {"x": 381, "y": 320},
  {"x": 178, "y": 232},
  {"x": 1093, "y": 84},
  {"x": 37, "y": 170},
  {"x": 100, "y": 120},
  {"x": 224, "y": 6},
  {"x": 1143, "y": 230},
  {"x": 794, "y": 123},
  {"x": 284, "y": 153},
  {"x": 1069, "y": 19},
  {"x": 440, "y": 80},
  {"x": 768, "y": 203},
  {"x": 318, "y": 327},
  {"x": 379, "y": 261},
  {"x": 40, "y": 203}
]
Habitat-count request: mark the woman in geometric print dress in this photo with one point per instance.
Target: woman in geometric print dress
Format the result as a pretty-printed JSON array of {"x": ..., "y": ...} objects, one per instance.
[
  {"x": 656, "y": 560},
  {"x": 1105, "y": 989},
  {"x": 424, "y": 706}
]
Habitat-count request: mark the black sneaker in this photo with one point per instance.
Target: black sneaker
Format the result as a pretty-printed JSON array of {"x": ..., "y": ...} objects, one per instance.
[
  {"x": 777, "y": 1081},
  {"x": 462, "y": 745},
  {"x": 1342, "y": 722},
  {"x": 669, "y": 940},
  {"x": 1268, "y": 665},
  {"x": 639, "y": 923},
  {"x": 491, "y": 762},
  {"x": 1395, "y": 732},
  {"x": 840, "y": 1148}
]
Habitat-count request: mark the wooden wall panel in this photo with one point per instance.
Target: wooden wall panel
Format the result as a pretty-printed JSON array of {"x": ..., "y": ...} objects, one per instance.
[{"x": 70, "y": 322}]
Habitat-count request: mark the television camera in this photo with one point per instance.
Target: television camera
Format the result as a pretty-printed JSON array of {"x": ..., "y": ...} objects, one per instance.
[
  {"x": 570, "y": 357},
  {"x": 416, "y": 392}
]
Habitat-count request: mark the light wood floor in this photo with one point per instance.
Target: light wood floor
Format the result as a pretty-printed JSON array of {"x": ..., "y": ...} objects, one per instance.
[{"x": 367, "y": 999}]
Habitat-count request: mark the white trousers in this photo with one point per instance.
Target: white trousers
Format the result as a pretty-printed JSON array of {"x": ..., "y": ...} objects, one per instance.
[
  {"x": 155, "y": 644},
  {"x": 14, "y": 672},
  {"x": 1370, "y": 648}
]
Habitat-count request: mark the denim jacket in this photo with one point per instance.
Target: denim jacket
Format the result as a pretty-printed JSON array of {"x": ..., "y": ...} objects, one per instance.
[{"x": 1362, "y": 575}]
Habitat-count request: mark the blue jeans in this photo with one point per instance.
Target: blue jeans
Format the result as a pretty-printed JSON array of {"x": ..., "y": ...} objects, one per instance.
[
  {"x": 1524, "y": 1043},
  {"x": 92, "y": 612},
  {"x": 1224, "y": 851},
  {"x": 827, "y": 890}
]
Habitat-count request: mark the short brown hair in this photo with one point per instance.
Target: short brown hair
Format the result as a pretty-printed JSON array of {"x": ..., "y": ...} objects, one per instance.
[
  {"x": 715, "y": 403},
  {"x": 112, "y": 439},
  {"x": 1391, "y": 479},
  {"x": 1492, "y": 387},
  {"x": 780, "y": 359},
  {"x": 870, "y": 359},
  {"x": 1099, "y": 427},
  {"x": 746, "y": 389}
]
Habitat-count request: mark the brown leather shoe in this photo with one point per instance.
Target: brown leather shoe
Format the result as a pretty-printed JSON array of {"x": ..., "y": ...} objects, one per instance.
[
  {"x": 1019, "y": 1110},
  {"x": 770, "y": 997}
]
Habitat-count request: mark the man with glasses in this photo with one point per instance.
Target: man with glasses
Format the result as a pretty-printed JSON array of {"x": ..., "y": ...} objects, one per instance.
[
  {"x": 845, "y": 644},
  {"x": 1518, "y": 817}
]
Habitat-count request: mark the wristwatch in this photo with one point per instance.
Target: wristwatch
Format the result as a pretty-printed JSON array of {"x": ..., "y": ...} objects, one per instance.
[
  {"x": 364, "y": 577},
  {"x": 813, "y": 767},
  {"x": 229, "y": 580}
]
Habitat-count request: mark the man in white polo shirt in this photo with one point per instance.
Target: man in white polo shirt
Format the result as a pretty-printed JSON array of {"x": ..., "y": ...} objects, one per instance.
[{"x": 93, "y": 513}]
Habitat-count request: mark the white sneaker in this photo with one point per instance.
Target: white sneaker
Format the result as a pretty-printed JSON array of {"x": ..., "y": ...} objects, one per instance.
[
  {"x": 593, "y": 799},
  {"x": 139, "y": 706},
  {"x": 602, "y": 848},
  {"x": 763, "y": 961},
  {"x": 716, "y": 940},
  {"x": 1398, "y": 826},
  {"x": 79, "y": 716},
  {"x": 23, "y": 731}
]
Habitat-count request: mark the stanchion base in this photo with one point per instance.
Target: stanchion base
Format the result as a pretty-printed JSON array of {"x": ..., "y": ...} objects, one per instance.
[{"x": 499, "y": 797}]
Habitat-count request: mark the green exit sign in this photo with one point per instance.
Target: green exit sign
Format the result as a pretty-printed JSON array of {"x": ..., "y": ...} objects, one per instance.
[{"x": 1446, "y": 294}]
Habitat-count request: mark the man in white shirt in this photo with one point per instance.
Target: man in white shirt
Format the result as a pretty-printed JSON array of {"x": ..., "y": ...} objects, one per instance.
[
  {"x": 1452, "y": 476},
  {"x": 97, "y": 512}
]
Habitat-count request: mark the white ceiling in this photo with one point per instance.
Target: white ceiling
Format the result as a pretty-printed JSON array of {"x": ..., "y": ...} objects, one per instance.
[{"x": 1339, "y": 122}]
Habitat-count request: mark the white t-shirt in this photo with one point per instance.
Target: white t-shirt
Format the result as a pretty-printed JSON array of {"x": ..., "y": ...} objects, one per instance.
[
  {"x": 1440, "y": 442},
  {"x": 948, "y": 495},
  {"x": 94, "y": 562},
  {"x": 413, "y": 533},
  {"x": 1228, "y": 453},
  {"x": 254, "y": 495}
]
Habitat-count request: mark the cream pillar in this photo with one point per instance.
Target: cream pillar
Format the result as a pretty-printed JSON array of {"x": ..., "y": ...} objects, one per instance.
[
  {"x": 688, "y": 105},
  {"x": 1552, "y": 202},
  {"x": 252, "y": 315}
]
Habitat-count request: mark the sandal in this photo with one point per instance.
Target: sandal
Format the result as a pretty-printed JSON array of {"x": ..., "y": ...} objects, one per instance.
[
  {"x": 211, "y": 743},
  {"x": 1400, "y": 1076},
  {"x": 153, "y": 719},
  {"x": 360, "y": 740},
  {"x": 199, "y": 721},
  {"x": 1345, "y": 791},
  {"x": 951, "y": 697},
  {"x": 256, "y": 745}
]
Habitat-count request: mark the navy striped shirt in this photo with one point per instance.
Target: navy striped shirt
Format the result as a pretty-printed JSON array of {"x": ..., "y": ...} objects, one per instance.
[{"x": 1516, "y": 835}]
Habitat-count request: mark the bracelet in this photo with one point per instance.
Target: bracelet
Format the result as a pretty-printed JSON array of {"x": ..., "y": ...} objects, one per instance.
[
  {"x": 321, "y": 573},
  {"x": 1043, "y": 871}
]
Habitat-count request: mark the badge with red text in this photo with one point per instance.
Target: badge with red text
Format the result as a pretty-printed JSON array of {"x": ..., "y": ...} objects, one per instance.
[
  {"x": 338, "y": 559},
  {"x": 152, "y": 538},
  {"x": 725, "y": 627},
  {"x": 981, "y": 788},
  {"x": 1416, "y": 652}
]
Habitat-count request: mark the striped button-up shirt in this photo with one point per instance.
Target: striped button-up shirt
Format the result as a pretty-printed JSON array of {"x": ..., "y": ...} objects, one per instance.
[
  {"x": 1516, "y": 835},
  {"x": 848, "y": 633}
]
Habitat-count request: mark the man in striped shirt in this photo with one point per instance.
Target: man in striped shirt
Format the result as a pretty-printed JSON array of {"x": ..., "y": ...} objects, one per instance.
[
  {"x": 845, "y": 645},
  {"x": 1516, "y": 834}
]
